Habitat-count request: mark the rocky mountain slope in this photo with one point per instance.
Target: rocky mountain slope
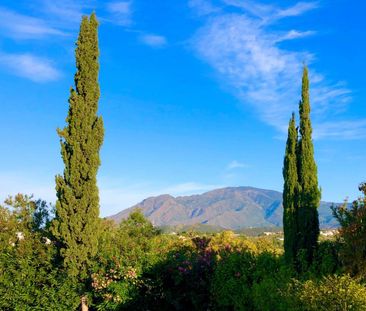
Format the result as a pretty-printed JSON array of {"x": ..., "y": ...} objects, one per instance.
[{"x": 230, "y": 208}]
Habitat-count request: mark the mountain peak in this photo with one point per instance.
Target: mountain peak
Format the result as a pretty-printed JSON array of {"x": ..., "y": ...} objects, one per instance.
[{"x": 230, "y": 208}]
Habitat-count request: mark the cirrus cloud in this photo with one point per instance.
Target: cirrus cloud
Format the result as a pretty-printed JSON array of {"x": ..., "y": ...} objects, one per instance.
[
  {"x": 32, "y": 67},
  {"x": 18, "y": 26},
  {"x": 121, "y": 12},
  {"x": 244, "y": 49},
  {"x": 152, "y": 40}
]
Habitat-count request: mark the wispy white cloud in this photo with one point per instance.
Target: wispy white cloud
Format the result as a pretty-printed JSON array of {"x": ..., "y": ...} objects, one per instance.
[
  {"x": 330, "y": 99},
  {"x": 29, "y": 66},
  {"x": 343, "y": 129},
  {"x": 203, "y": 7},
  {"x": 244, "y": 49},
  {"x": 236, "y": 164},
  {"x": 294, "y": 34},
  {"x": 121, "y": 12},
  {"x": 152, "y": 40},
  {"x": 246, "y": 57},
  {"x": 270, "y": 12},
  {"x": 263, "y": 11},
  {"x": 65, "y": 13},
  {"x": 20, "y": 26},
  {"x": 298, "y": 9}
]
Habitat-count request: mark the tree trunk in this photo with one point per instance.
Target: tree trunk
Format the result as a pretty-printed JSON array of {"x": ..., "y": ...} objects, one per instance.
[{"x": 84, "y": 306}]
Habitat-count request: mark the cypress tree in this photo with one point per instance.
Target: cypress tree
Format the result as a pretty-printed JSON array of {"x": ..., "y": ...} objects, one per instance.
[
  {"x": 309, "y": 198},
  {"x": 290, "y": 193},
  {"x": 77, "y": 207}
]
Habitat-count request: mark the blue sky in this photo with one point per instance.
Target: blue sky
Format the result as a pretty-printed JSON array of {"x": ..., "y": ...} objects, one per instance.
[{"x": 195, "y": 94}]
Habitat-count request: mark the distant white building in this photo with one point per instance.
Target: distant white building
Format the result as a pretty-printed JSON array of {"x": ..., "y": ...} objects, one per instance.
[
  {"x": 19, "y": 235},
  {"x": 46, "y": 240},
  {"x": 328, "y": 232}
]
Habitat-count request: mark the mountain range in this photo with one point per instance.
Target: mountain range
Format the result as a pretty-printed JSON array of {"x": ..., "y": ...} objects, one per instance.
[{"x": 231, "y": 208}]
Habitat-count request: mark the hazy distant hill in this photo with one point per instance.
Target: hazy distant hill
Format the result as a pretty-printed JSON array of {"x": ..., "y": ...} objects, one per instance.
[{"x": 230, "y": 208}]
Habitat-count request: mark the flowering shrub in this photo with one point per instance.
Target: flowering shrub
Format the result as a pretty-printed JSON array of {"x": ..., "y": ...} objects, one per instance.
[
  {"x": 125, "y": 251},
  {"x": 115, "y": 287},
  {"x": 180, "y": 281}
]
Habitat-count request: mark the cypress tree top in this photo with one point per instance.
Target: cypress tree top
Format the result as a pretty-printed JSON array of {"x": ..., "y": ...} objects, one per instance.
[
  {"x": 308, "y": 177},
  {"x": 77, "y": 206},
  {"x": 308, "y": 172}
]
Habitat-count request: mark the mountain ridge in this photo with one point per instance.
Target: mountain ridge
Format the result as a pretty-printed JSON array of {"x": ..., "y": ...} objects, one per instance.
[{"x": 230, "y": 208}]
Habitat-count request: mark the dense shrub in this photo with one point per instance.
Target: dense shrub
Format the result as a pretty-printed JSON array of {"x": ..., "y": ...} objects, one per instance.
[
  {"x": 353, "y": 234},
  {"x": 30, "y": 281},
  {"x": 138, "y": 268},
  {"x": 181, "y": 280},
  {"x": 326, "y": 259},
  {"x": 30, "y": 278},
  {"x": 125, "y": 251},
  {"x": 232, "y": 281},
  {"x": 271, "y": 293},
  {"x": 332, "y": 293},
  {"x": 244, "y": 280}
]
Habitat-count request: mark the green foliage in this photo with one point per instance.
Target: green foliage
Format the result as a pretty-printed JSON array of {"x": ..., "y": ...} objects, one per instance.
[
  {"x": 134, "y": 267},
  {"x": 114, "y": 287},
  {"x": 138, "y": 268},
  {"x": 137, "y": 226},
  {"x": 77, "y": 208},
  {"x": 263, "y": 282},
  {"x": 271, "y": 292},
  {"x": 124, "y": 253},
  {"x": 326, "y": 260},
  {"x": 290, "y": 194},
  {"x": 24, "y": 213},
  {"x": 29, "y": 276},
  {"x": 131, "y": 243},
  {"x": 353, "y": 234},
  {"x": 309, "y": 200},
  {"x": 301, "y": 195},
  {"x": 279, "y": 292},
  {"x": 232, "y": 281},
  {"x": 332, "y": 293},
  {"x": 227, "y": 240},
  {"x": 181, "y": 280},
  {"x": 245, "y": 281}
]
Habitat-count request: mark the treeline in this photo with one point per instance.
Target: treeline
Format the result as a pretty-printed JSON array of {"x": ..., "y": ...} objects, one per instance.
[
  {"x": 67, "y": 257},
  {"x": 136, "y": 267}
]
